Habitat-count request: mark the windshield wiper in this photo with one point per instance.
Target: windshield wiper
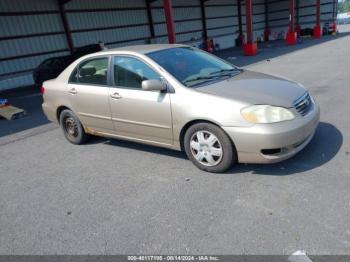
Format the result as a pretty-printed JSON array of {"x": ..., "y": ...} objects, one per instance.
[
  {"x": 213, "y": 75},
  {"x": 199, "y": 78},
  {"x": 225, "y": 71}
]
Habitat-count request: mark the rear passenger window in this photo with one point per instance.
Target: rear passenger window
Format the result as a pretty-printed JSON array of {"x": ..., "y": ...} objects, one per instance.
[{"x": 92, "y": 72}]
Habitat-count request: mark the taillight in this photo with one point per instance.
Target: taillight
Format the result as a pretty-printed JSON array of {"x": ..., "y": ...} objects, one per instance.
[{"x": 42, "y": 90}]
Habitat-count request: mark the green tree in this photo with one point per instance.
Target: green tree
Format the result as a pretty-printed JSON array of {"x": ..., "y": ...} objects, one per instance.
[{"x": 344, "y": 7}]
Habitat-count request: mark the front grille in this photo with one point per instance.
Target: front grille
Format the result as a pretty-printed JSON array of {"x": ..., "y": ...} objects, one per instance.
[{"x": 303, "y": 104}]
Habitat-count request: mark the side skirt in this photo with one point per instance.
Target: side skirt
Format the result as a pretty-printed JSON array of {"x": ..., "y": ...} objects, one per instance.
[{"x": 132, "y": 139}]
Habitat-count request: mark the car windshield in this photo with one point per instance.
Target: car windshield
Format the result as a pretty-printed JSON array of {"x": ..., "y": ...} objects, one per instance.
[{"x": 193, "y": 67}]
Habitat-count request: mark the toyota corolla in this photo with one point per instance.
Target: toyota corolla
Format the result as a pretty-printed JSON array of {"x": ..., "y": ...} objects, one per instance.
[{"x": 182, "y": 98}]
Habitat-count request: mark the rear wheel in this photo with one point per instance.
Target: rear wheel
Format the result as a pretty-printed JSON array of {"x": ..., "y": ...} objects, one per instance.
[
  {"x": 209, "y": 148},
  {"x": 72, "y": 128}
]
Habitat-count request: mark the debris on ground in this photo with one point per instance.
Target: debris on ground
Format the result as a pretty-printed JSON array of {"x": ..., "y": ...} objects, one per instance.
[
  {"x": 10, "y": 112},
  {"x": 3, "y": 102}
]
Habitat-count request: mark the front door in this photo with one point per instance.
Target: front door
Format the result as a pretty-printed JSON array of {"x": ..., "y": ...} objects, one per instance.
[
  {"x": 89, "y": 94},
  {"x": 139, "y": 114}
]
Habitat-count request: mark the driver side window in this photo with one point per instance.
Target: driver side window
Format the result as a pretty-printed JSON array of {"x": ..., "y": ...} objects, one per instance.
[{"x": 130, "y": 72}]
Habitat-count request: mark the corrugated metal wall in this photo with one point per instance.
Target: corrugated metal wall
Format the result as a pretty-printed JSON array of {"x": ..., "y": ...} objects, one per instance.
[
  {"x": 222, "y": 21},
  {"x": 307, "y": 12},
  {"x": 187, "y": 16},
  {"x": 279, "y": 15},
  {"x": 29, "y": 33},
  {"x": 32, "y": 30},
  {"x": 113, "y": 22}
]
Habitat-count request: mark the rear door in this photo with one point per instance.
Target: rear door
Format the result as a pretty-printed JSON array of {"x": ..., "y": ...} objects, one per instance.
[{"x": 89, "y": 94}]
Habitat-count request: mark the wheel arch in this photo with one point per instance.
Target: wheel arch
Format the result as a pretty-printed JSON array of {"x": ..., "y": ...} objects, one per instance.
[
  {"x": 197, "y": 121},
  {"x": 59, "y": 110}
]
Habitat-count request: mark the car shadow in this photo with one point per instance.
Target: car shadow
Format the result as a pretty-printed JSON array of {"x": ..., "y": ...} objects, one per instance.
[
  {"x": 137, "y": 146},
  {"x": 324, "y": 147}
]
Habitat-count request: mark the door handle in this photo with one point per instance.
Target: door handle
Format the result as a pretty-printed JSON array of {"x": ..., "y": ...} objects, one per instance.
[
  {"x": 116, "y": 95},
  {"x": 73, "y": 91}
]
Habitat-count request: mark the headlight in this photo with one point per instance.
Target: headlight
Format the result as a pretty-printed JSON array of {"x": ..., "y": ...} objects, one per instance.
[{"x": 263, "y": 114}]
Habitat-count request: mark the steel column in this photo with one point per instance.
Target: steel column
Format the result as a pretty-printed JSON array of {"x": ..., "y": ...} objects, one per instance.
[
  {"x": 249, "y": 20},
  {"x": 335, "y": 16},
  {"x": 297, "y": 20},
  {"x": 291, "y": 37},
  {"x": 318, "y": 12},
  {"x": 267, "y": 27},
  {"x": 318, "y": 27},
  {"x": 336, "y": 9},
  {"x": 239, "y": 12},
  {"x": 291, "y": 15},
  {"x": 204, "y": 20},
  {"x": 250, "y": 48},
  {"x": 168, "y": 11},
  {"x": 150, "y": 18},
  {"x": 297, "y": 11},
  {"x": 240, "y": 40},
  {"x": 65, "y": 24},
  {"x": 208, "y": 46}
]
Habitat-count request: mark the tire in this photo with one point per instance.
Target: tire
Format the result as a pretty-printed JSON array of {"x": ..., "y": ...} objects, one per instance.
[
  {"x": 203, "y": 143},
  {"x": 72, "y": 128}
]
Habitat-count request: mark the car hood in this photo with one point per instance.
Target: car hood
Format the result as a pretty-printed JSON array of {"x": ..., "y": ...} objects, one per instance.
[{"x": 256, "y": 88}]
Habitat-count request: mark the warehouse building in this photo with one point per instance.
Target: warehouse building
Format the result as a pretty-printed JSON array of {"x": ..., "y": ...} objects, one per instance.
[{"x": 34, "y": 30}]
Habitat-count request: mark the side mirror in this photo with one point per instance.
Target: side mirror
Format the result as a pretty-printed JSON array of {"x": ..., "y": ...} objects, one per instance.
[{"x": 153, "y": 85}]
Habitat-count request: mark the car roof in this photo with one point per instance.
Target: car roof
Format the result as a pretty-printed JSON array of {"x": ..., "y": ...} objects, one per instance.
[{"x": 142, "y": 49}]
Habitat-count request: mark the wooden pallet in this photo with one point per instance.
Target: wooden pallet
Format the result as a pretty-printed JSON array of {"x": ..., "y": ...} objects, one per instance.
[{"x": 11, "y": 113}]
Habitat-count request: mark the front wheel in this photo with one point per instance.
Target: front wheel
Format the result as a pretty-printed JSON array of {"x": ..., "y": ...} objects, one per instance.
[
  {"x": 209, "y": 148},
  {"x": 72, "y": 128}
]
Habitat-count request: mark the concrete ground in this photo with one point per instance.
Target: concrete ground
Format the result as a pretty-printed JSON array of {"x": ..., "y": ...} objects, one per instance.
[{"x": 113, "y": 197}]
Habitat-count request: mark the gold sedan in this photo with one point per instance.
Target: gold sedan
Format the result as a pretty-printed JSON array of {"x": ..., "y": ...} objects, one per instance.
[{"x": 180, "y": 97}]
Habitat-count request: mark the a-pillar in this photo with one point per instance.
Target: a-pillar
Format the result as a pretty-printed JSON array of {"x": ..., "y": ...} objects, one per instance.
[{"x": 250, "y": 48}]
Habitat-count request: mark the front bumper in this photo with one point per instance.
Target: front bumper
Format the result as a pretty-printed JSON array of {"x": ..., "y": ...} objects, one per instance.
[{"x": 271, "y": 143}]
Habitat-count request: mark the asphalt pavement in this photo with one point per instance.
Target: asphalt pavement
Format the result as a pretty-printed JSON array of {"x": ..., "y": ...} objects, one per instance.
[{"x": 114, "y": 197}]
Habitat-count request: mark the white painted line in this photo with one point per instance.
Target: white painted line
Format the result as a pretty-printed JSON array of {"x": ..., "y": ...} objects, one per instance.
[{"x": 299, "y": 256}]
